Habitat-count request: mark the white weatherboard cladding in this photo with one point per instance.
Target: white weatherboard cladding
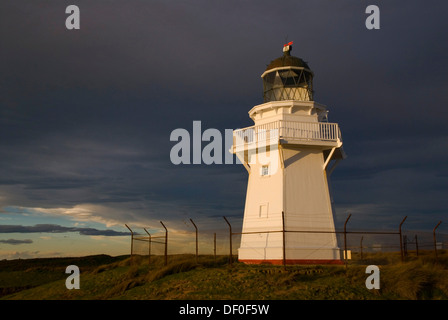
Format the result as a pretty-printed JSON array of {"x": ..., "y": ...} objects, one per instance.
[
  {"x": 307, "y": 200},
  {"x": 296, "y": 185}
]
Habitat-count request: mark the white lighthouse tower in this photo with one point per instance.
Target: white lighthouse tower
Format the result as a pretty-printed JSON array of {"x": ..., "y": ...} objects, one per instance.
[{"x": 289, "y": 154}]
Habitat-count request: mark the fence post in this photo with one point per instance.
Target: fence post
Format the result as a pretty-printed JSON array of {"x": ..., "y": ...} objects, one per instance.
[
  {"x": 214, "y": 246},
  {"x": 166, "y": 244},
  {"x": 132, "y": 240},
  {"x": 401, "y": 240},
  {"x": 416, "y": 245},
  {"x": 345, "y": 239},
  {"x": 284, "y": 239},
  {"x": 230, "y": 236},
  {"x": 405, "y": 245},
  {"x": 196, "y": 228},
  {"x": 362, "y": 237},
  {"x": 149, "y": 246},
  {"x": 435, "y": 241}
]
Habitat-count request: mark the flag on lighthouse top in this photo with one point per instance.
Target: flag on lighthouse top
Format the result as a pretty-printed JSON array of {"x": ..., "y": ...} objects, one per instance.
[{"x": 287, "y": 47}]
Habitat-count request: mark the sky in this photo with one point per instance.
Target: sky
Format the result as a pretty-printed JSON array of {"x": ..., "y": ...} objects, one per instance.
[{"x": 86, "y": 115}]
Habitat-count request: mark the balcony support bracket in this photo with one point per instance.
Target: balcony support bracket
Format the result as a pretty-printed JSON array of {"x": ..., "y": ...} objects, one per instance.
[{"x": 327, "y": 161}]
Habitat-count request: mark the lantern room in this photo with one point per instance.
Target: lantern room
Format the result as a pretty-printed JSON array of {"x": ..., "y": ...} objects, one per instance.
[{"x": 287, "y": 78}]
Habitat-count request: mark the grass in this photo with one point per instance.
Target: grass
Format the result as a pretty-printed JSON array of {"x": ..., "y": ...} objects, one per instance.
[
  {"x": 104, "y": 277},
  {"x": 20, "y": 274}
]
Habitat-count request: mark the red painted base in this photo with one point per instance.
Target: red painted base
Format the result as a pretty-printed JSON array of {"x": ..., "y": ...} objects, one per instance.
[{"x": 293, "y": 261}]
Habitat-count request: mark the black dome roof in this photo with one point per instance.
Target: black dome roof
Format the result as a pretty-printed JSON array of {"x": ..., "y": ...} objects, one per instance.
[{"x": 287, "y": 61}]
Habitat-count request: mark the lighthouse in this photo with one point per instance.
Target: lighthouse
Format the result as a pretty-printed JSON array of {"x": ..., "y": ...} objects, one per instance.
[{"x": 289, "y": 154}]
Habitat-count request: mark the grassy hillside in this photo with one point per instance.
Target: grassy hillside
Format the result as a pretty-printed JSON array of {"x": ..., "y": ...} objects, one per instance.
[
  {"x": 105, "y": 277},
  {"x": 20, "y": 274}
]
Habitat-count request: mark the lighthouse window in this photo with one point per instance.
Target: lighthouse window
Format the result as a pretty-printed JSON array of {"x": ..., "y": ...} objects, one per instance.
[
  {"x": 290, "y": 78},
  {"x": 265, "y": 170},
  {"x": 264, "y": 208}
]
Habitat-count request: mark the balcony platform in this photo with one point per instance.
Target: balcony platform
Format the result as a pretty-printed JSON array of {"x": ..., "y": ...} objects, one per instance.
[{"x": 316, "y": 134}]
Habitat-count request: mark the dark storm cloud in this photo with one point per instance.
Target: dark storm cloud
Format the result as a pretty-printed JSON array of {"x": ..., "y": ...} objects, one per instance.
[
  {"x": 16, "y": 241},
  {"x": 86, "y": 115},
  {"x": 54, "y": 228}
]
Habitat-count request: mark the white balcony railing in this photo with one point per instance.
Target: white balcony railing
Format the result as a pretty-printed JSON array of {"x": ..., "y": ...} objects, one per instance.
[{"x": 308, "y": 132}]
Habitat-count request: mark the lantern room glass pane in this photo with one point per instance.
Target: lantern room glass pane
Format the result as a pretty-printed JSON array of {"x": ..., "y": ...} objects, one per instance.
[{"x": 288, "y": 84}]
